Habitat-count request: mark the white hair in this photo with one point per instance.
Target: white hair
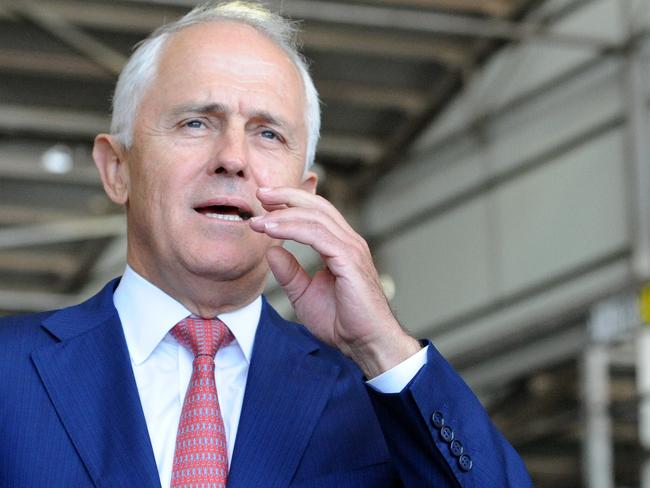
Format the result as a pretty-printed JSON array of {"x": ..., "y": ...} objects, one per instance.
[{"x": 142, "y": 67}]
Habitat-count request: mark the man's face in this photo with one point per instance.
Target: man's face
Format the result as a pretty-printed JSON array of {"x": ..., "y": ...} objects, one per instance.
[{"x": 223, "y": 117}]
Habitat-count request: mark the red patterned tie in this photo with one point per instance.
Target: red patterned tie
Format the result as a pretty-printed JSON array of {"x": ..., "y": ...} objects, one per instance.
[{"x": 201, "y": 456}]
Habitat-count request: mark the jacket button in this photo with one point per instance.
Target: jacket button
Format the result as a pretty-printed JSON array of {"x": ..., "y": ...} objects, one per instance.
[
  {"x": 456, "y": 448},
  {"x": 438, "y": 420},
  {"x": 465, "y": 462},
  {"x": 447, "y": 434}
]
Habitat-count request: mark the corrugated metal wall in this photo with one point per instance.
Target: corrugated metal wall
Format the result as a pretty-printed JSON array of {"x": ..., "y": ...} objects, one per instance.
[{"x": 518, "y": 206}]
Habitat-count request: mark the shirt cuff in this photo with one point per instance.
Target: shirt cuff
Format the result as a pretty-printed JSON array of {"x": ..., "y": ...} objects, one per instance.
[{"x": 395, "y": 379}]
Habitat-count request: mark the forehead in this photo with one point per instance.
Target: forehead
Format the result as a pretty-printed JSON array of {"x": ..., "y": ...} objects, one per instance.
[{"x": 212, "y": 56}]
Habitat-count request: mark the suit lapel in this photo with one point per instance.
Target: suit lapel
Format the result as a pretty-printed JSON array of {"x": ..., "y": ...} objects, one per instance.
[
  {"x": 89, "y": 380},
  {"x": 286, "y": 391}
]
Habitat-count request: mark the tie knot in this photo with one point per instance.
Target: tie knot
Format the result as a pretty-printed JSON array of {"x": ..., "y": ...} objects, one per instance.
[{"x": 203, "y": 337}]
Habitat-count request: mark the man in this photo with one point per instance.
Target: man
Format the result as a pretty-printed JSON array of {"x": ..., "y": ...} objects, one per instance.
[{"x": 215, "y": 121}]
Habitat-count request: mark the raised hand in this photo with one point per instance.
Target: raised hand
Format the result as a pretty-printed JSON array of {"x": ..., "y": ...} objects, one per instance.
[{"x": 342, "y": 304}]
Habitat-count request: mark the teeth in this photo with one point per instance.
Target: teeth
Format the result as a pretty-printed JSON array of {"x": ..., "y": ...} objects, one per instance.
[{"x": 228, "y": 217}]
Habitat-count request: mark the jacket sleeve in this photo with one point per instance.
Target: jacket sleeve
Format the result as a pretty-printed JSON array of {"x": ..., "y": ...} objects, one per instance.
[{"x": 439, "y": 434}]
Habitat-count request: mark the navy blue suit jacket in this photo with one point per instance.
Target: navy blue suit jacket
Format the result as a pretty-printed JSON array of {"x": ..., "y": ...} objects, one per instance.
[{"x": 70, "y": 414}]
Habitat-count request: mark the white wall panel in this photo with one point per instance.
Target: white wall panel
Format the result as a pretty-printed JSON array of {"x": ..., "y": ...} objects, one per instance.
[
  {"x": 504, "y": 79},
  {"x": 524, "y": 68},
  {"x": 521, "y": 318},
  {"x": 564, "y": 113},
  {"x": 441, "y": 268},
  {"x": 565, "y": 214},
  {"x": 562, "y": 215},
  {"x": 519, "y": 135},
  {"x": 435, "y": 179},
  {"x": 604, "y": 19},
  {"x": 641, "y": 14},
  {"x": 529, "y": 179}
]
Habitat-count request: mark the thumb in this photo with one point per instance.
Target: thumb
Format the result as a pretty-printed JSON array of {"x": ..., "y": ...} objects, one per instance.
[{"x": 293, "y": 279}]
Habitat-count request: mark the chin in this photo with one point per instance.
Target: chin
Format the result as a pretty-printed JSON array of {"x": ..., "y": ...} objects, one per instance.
[{"x": 230, "y": 268}]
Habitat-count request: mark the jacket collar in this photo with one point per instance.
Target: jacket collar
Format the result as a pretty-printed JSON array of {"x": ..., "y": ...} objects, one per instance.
[
  {"x": 87, "y": 374},
  {"x": 287, "y": 389}
]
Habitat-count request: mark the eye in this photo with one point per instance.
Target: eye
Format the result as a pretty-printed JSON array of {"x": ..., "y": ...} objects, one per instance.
[
  {"x": 270, "y": 135},
  {"x": 194, "y": 124}
]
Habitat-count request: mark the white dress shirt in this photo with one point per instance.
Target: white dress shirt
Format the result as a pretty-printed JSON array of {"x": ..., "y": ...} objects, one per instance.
[{"x": 163, "y": 368}]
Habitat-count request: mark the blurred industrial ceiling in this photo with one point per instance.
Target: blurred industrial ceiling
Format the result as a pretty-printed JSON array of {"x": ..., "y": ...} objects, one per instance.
[{"x": 384, "y": 70}]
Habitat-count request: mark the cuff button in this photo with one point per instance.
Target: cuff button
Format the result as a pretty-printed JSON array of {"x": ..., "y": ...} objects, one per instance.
[
  {"x": 456, "y": 448},
  {"x": 438, "y": 420},
  {"x": 465, "y": 462},
  {"x": 447, "y": 434}
]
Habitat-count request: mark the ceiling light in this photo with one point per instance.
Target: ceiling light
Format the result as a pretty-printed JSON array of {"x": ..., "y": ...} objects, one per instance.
[
  {"x": 388, "y": 284},
  {"x": 58, "y": 159}
]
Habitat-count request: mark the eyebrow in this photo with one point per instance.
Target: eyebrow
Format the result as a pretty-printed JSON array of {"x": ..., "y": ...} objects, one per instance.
[
  {"x": 204, "y": 109},
  {"x": 271, "y": 119}
]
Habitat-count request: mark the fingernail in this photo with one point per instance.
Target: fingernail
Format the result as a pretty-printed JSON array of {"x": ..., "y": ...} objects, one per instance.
[
  {"x": 264, "y": 189},
  {"x": 270, "y": 225},
  {"x": 256, "y": 218}
]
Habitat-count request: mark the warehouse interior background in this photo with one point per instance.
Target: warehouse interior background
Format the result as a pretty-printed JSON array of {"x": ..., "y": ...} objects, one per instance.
[{"x": 495, "y": 154}]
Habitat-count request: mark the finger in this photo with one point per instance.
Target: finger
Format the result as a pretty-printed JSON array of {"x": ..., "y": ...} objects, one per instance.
[
  {"x": 307, "y": 217},
  {"x": 295, "y": 197},
  {"x": 309, "y": 233},
  {"x": 274, "y": 207},
  {"x": 293, "y": 279},
  {"x": 340, "y": 258}
]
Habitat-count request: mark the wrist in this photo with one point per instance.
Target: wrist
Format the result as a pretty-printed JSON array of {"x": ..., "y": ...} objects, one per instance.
[{"x": 384, "y": 353}]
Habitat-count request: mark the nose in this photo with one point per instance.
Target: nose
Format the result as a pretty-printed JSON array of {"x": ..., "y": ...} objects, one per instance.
[{"x": 231, "y": 156}]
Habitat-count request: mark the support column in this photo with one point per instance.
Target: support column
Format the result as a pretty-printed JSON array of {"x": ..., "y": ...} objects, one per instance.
[
  {"x": 643, "y": 388},
  {"x": 598, "y": 456},
  {"x": 637, "y": 76}
]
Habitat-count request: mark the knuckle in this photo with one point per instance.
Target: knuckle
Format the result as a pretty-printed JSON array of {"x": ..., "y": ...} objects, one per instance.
[
  {"x": 322, "y": 200},
  {"x": 317, "y": 229},
  {"x": 357, "y": 251},
  {"x": 362, "y": 245}
]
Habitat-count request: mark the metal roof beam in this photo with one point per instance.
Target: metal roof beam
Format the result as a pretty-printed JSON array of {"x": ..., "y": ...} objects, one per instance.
[
  {"x": 438, "y": 23},
  {"x": 496, "y": 8},
  {"x": 117, "y": 18},
  {"x": 350, "y": 146},
  {"x": 48, "y": 20},
  {"x": 62, "y": 231},
  {"x": 371, "y": 96},
  {"x": 38, "y": 262},
  {"x": 86, "y": 175},
  {"x": 34, "y": 301},
  {"x": 384, "y": 44},
  {"x": 410, "y": 20},
  {"x": 60, "y": 122},
  {"x": 140, "y": 20},
  {"x": 134, "y": 19},
  {"x": 110, "y": 264},
  {"x": 50, "y": 64},
  {"x": 20, "y": 214}
]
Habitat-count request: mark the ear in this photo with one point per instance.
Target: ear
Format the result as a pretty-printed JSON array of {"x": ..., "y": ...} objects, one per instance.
[
  {"x": 309, "y": 182},
  {"x": 110, "y": 158}
]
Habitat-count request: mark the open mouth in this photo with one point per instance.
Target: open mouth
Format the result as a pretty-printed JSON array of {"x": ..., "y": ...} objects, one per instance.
[{"x": 228, "y": 213}]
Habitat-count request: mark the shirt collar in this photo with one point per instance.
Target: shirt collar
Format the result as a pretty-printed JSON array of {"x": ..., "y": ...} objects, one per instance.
[{"x": 145, "y": 326}]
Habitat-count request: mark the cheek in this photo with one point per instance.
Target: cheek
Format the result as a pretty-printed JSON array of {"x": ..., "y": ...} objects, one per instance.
[
  {"x": 280, "y": 173},
  {"x": 155, "y": 193},
  {"x": 164, "y": 173}
]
